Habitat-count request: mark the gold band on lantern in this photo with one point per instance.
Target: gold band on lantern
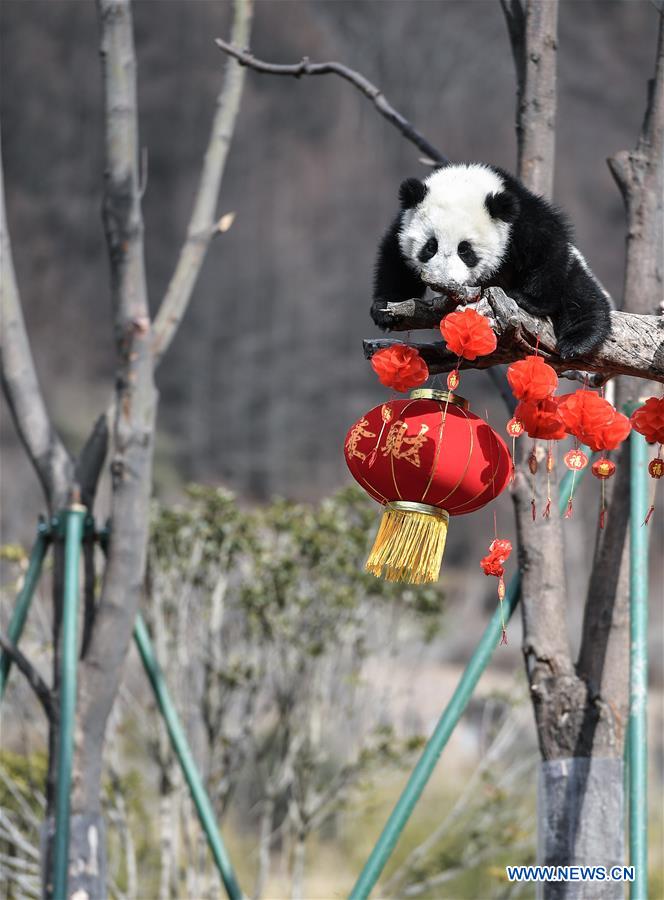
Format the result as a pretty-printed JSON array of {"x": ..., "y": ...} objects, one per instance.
[
  {"x": 426, "y": 508},
  {"x": 442, "y": 396}
]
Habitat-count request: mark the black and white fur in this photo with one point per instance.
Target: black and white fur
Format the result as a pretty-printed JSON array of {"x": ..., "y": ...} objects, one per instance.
[{"x": 476, "y": 226}]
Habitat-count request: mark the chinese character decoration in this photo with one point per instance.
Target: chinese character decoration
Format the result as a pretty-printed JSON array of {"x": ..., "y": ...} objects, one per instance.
[
  {"x": 468, "y": 334},
  {"x": 494, "y": 564},
  {"x": 533, "y": 382},
  {"x": 434, "y": 459},
  {"x": 400, "y": 367},
  {"x": 648, "y": 420},
  {"x": 593, "y": 421}
]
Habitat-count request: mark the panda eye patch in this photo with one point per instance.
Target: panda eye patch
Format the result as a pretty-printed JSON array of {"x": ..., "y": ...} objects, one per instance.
[
  {"x": 467, "y": 254},
  {"x": 429, "y": 250}
]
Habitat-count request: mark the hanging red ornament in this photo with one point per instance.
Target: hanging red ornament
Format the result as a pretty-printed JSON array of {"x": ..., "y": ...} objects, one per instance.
[
  {"x": 648, "y": 420},
  {"x": 541, "y": 419},
  {"x": 610, "y": 436},
  {"x": 584, "y": 414},
  {"x": 494, "y": 564},
  {"x": 603, "y": 468},
  {"x": 514, "y": 428},
  {"x": 453, "y": 380},
  {"x": 575, "y": 459},
  {"x": 436, "y": 459},
  {"x": 532, "y": 379},
  {"x": 468, "y": 334},
  {"x": 400, "y": 367},
  {"x": 655, "y": 470}
]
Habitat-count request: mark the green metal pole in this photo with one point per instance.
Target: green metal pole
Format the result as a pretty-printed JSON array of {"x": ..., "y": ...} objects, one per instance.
[
  {"x": 446, "y": 725},
  {"x": 638, "y": 679},
  {"x": 73, "y": 527},
  {"x": 181, "y": 747},
  {"x": 24, "y": 600}
]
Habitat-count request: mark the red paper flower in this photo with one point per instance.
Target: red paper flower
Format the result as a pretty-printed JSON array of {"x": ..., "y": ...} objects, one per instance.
[
  {"x": 612, "y": 435},
  {"x": 400, "y": 367},
  {"x": 541, "y": 418},
  {"x": 532, "y": 379},
  {"x": 499, "y": 551},
  {"x": 468, "y": 334},
  {"x": 648, "y": 420},
  {"x": 593, "y": 420}
]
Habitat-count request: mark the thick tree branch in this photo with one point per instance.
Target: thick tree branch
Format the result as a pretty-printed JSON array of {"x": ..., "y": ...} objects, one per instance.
[
  {"x": 305, "y": 67},
  {"x": 202, "y": 225},
  {"x": 135, "y": 405},
  {"x": 45, "y": 450},
  {"x": 604, "y": 652},
  {"x": 635, "y": 347},
  {"x": 33, "y": 677}
]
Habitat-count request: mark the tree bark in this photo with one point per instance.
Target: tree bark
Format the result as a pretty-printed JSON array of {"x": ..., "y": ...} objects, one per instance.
[{"x": 635, "y": 346}]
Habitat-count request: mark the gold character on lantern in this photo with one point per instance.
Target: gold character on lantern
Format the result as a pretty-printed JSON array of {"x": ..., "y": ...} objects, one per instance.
[
  {"x": 396, "y": 439},
  {"x": 358, "y": 431}
]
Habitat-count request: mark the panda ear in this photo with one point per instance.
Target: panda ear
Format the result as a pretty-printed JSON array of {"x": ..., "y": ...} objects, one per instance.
[
  {"x": 504, "y": 206},
  {"x": 412, "y": 192}
]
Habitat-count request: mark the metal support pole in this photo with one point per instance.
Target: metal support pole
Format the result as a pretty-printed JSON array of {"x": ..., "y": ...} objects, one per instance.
[
  {"x": 446, "y": 725},
  {"x": 181, "y": 747},
  {"x": 73, "y": 528},
  {"x": 24, "y": 599},
  {"x": 638, "y": 676}
]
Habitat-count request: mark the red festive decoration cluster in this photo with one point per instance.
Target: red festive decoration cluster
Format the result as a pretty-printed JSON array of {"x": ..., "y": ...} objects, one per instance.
[
  {"x": 468, "y": 334},
  {"x": 593, "y": 420},
  {"x": 648, "y": 420},
  {"x": 400, "y": 367}
]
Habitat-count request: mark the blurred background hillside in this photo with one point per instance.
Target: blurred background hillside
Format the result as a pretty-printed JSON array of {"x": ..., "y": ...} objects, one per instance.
[{"x": 267, "y": 371}]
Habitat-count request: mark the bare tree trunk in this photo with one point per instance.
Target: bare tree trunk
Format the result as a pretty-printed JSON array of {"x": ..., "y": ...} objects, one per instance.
[
  {"x": 264, "y": 848},
  {"x": 299, "y": 858}
]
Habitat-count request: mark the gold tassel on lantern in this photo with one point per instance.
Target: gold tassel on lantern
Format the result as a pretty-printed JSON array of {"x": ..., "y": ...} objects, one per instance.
[{"x": 410, "y": 543}]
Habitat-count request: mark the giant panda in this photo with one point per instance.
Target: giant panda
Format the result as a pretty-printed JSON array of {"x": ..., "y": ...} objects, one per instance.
[{"x": 476, "y": 226}]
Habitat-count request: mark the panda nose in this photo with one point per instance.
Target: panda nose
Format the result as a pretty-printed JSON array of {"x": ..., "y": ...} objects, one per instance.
[{"x": 429, "y": 250}]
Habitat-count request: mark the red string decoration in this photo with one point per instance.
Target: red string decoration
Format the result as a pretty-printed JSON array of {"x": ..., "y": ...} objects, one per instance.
[
  {"x": 468, "y": 334},
  {"x": 400, "y": 367},
  {"x": 648, "y": 420},
  {"x": 532, "y": 379},
  {"x": 493, "y": 564}
]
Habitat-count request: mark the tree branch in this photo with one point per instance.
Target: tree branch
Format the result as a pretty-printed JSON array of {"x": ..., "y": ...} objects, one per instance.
[
  {"x": 202, "y": 226},
  {"x": 33, "y": 677},
  {"x": 43, "y": 445},
  {"x": 135, "y": 404},
  {"x": 305, "y": 67},
  {"x": 635, "y": 347}
]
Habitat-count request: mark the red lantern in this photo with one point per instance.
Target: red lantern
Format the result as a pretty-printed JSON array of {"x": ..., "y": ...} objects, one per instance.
[
  {"x": 541, "y": 419},
  {"x": 432, "y": 459}
]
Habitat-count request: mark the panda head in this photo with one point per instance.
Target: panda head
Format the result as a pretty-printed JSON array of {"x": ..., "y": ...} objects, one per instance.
[{"x": 456, "y": 225}]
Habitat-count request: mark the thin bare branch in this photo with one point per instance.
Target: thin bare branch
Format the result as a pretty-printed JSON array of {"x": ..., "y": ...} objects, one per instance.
[
  {"x": 202, "y": 227},
  {"x": 635, "y": 347},
  {"x": 305, "y": 67},
  {"x": 42, "y": 443},
  {"x": 33, "y": 677}
]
